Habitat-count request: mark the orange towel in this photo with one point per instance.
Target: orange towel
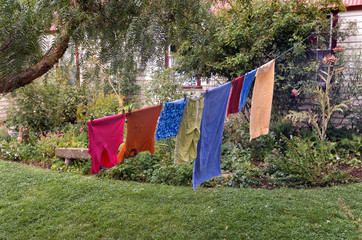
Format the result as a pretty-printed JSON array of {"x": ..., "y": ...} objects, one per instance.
[
  {"x": 261, "y": 102},
  {"x": 141, "y": 125}
]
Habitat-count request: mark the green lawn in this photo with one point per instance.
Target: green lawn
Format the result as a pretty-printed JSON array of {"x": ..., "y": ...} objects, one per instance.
[{"x": 44, "y": 204}]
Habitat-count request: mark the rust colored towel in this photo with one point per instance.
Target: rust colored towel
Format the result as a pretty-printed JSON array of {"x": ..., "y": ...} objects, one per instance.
[
  {"x": 234, "y": 99},
  {"x": 261, "y": 102},
  {"x": 141, "y": 125}
]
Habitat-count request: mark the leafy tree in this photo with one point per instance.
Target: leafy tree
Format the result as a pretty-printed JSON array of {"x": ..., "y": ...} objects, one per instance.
[
  {"x": 128, "y": 33},
  {"x": 242, "y": 35}
]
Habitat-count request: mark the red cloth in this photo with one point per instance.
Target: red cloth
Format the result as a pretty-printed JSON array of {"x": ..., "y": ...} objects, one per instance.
[
  {"x": 141, "y": 126},
  {"x": 234, "y": 99},
  {"x": 105, "y": 136}
]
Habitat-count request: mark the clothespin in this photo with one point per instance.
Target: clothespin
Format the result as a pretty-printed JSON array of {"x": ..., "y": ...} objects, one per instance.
[
  {"x": 92, "y": 120},
  {"x": 129, "y": 111},
  {"x": 185, "y": 96},
  {"x": 123, "y": 111}
]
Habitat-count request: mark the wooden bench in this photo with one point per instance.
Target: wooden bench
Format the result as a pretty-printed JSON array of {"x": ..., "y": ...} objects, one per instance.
[{"x": 72, "y": 153}]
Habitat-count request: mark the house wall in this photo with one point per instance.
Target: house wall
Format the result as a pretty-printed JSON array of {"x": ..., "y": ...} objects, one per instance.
[
  {"x": 352, "y": 43},
  {"x": 353, "y": 71}
]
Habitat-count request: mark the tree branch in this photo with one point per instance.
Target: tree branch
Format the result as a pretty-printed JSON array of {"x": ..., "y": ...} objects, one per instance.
[
  {"x": 45, "y": 64},
  {"x": 7, "y": 45}
]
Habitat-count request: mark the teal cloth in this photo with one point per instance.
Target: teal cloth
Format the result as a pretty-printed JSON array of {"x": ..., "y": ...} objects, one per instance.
[
  {"x": 249, "y": 77},
  {"x": 207, "y": 162}
]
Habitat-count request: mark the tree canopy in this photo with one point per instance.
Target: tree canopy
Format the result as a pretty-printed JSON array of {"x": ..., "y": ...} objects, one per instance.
[
  {"x": 211, "y": 37},
  {"x": 243, "y": 35},
  {"x": 127, "y": 33}
]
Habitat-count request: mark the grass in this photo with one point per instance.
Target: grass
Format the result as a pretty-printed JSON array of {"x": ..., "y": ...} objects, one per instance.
[{"x": 44, "y": 204}]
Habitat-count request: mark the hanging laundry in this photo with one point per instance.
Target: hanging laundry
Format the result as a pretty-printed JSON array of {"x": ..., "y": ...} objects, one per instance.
[
  {"x": 261, "y": 102},
  {"x": 189, "y": 131},
  {"x": 207, "y": 163},
  {"x": 249, "y": 77},
  {"x": 234, "y": 99},
  {"x": 170, "y": 118},
  {"x": 105, "y": 136},
  {"x": 141, "y": 125}
]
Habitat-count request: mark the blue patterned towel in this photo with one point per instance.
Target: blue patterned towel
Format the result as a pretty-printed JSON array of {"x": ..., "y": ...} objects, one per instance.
[{"x": 170, "y": 118}]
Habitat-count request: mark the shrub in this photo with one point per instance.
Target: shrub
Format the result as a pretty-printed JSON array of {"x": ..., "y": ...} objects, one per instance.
[
  {"x": 245, "y": 175},
  {"x": 236, "y": 133},
  {"x": 305, "y": 163},
  {"x": 102, "y": 105},
  {"x": 139, "y": 168},
  {"x": 71, "y": 136},
  {"x": 13, "y": 151},
  {"x": 43, "y": 105},
  {"x": 349, "y": 150},
  {"x": 173, "y": 174},
  {"x": 82, "y": 166}
]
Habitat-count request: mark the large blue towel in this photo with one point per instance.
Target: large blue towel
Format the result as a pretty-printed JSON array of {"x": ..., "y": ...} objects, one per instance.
[
  {"x": 249, "y": 77},
  {"x": 207, "y": 162},
  {"x": 170, "y": 118}
]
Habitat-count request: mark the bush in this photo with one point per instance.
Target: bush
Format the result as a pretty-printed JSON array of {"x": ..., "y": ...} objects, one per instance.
[
  {"x": 13, "y": 151},
  {"x": 72, "y": 136},
  {"x": 173, "y": 174},
  {"x": 139, "y": 168},
  {"x": 304, "y": 163},
  {"x": 236, "y": 133},
  {"x": 41, "y": 106},
  {"x": 82, "y": 166},
  {"x": 245, "y": 175},
  {"x": 102, "y": 105},
  {"x": 349, "y": 150}
]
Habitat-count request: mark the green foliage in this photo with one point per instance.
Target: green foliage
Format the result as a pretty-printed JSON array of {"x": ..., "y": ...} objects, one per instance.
[
  {"x": 100, "y": 106},
  {"x": 177, "y": 175},
  {"x": 304, "y": 163},
  {"x": 245, "y": 175},
  {"x": 13, "y": 151},
  {"x": 350, "y": 150},
  {"x": 4, "y": 133},
  {"x": 82, "y": 166},
  {"x": 165, "y": 86},
  {"x": 244, "y": 35},
  {"x": 20, "y": 39},
  {"x": 146, "y": 167},
  {"x": 72, "y": 137},
  {"x": 137, "y": 168},
  {"x": 236, "y": 132},
  {"x": 320, "y": 120},
  {"x": 125, "y": 35},
  {"x": 44, "y": 105}
]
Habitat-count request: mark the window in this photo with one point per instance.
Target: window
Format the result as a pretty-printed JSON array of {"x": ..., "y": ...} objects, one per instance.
[{"x": 325, "y": 46}]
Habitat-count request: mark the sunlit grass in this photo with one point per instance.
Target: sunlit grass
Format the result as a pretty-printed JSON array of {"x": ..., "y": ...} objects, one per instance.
[{"x": 44, "y": 204}]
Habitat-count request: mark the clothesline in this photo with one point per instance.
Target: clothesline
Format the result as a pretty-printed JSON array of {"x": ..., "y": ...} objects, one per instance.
[
  {"x": 290, "y": 49},
  {"x": 82, "y": 123},
  {"x": 197, "y": 123}
]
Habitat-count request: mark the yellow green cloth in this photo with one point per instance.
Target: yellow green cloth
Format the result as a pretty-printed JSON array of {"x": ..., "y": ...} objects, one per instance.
[
  {"x": 261, "y": 102},
  {"x": 189, "y": 131}
]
